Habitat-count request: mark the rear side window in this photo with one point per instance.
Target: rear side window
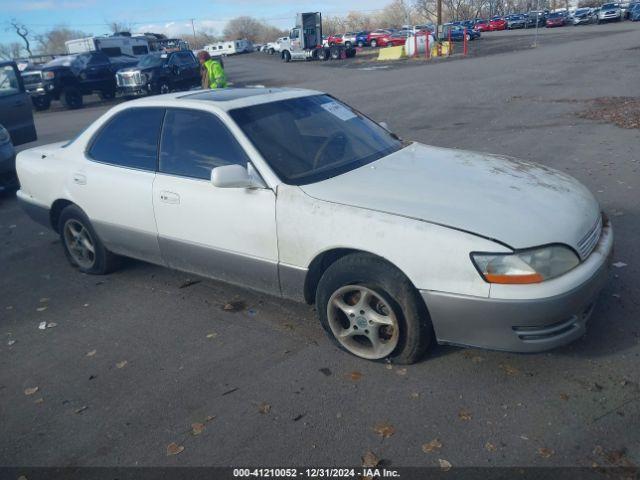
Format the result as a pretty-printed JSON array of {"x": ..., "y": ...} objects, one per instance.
[
  {"x": 194, "y": 142},
  {"x": 130, "y": 139}
]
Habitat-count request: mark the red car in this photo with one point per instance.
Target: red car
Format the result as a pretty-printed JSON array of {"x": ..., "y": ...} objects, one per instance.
[
  {"x": 335, "y": 39},
  {"x": 555, "y": 19},
  {"x": 394, "y": 40},
  {"x": 498, "y": 24},
  {"x": 374, "y": 37},
  {"x": 482, "y": 26}
]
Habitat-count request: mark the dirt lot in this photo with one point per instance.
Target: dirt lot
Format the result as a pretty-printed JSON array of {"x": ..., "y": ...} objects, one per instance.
[{"x": 134, "y": 359}]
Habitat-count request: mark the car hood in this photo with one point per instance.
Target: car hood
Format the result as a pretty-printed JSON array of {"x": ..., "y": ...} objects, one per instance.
[{"x": 517, "y": 203}]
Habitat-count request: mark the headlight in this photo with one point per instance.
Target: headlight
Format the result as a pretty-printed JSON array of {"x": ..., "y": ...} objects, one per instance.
[
  {"x": 4, "y": 135},
  {"x": 534, "y": 265},
  {"x": 48, "y": 75}
]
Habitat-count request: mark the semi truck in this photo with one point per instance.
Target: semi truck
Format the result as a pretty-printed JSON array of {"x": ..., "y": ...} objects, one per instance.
[{"x": 305, "y": 41}]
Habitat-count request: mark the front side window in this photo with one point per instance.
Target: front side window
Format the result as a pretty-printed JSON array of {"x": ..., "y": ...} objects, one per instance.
[
  {"x": 9, "y": 84},
  {"x": 310, "y": 139},
  {"x": 194, "y": 142},
  {"x": 129, "y": 139}
]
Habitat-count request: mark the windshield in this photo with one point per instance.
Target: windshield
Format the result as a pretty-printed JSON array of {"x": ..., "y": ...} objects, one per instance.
[
  {"x": 310, "y": 139},
  {"x": 150, "y": 61},
  {"x": 555, "y": 15}
]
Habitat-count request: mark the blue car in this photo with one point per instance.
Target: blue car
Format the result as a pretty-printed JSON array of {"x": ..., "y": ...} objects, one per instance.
[
  {"x": 361, "y": 39},
  {"x": 457, "y": 33}
]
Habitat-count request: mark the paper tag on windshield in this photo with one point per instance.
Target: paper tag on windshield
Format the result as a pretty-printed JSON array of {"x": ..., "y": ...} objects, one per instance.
[{"x": 339, "y": 111}]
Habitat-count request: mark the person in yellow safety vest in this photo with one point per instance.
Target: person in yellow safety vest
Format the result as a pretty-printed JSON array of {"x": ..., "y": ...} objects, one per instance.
[{"x": 211, "y": 72}]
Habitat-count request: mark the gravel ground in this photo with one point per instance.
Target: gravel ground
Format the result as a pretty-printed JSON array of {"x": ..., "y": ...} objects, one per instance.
[{"x": 134, "y": 360}]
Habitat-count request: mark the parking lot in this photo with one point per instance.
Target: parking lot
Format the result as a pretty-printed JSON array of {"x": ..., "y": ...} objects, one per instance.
[{"x": 133, "y": 359}]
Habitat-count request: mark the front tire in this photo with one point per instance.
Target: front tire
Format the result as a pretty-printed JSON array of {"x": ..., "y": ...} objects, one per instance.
[
  {"x": 374, "y": 43},
  {"x": 370, "y": 309},
  {"x": 82, "y": 246},
  {"x": 41, "y": 103},
  {"x": 286, "y": 56}
]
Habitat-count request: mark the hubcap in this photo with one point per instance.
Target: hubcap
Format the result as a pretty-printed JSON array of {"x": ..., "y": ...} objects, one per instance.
[
  {"x": 363, "y": 322},
  {"x": 79, "y": 243},
  {"x": 164, "y": 88}
]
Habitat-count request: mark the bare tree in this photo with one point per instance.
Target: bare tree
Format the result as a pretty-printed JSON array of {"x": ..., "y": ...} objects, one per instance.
[
  {"x": 54, "y": 40},
  {"x": 395, "y": 14},
  {"x": 204, "y": 37},
  {"x": 9, "y": 51},
  {"x": 119, "y": 26},
  {"x": 23, "y": 32},
  {"x": 252, "y": 29},
  {"x": 426, "y": 9}
]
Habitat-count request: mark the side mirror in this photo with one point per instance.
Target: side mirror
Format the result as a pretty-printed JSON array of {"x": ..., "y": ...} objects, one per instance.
[
  {"x": 385, "y": 126},
  {"x": 236, "y": 176}
]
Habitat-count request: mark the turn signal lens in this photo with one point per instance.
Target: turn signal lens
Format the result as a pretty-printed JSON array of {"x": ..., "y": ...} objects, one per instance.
[
  {"x": 526, "y": 266},
  {"x": 48, "y": 75}
]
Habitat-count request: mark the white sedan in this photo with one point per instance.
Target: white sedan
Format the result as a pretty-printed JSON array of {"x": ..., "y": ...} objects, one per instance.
[{"x": 295, "y": 194}]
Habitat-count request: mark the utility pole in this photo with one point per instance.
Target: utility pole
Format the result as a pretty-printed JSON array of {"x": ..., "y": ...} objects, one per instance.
[
  {"x": 438, "y": 17},
  {"x": 535, "y": 40},
  {"x": 193, "y": 28}
]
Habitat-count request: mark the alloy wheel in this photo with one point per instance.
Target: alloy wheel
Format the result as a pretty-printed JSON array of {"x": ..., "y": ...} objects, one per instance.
[
  {"x": 79, "y": 243},
  {"x": 363, "y": 322}
]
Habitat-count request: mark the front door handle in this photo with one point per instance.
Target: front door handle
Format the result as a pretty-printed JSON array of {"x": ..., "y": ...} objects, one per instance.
[
  {"x": 79, "y": 179},
  {"x": 169, "y": 197}
]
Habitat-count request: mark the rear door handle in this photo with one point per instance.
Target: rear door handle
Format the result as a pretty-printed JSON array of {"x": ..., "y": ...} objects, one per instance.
[
  {"x": 169, "y": 197},
  {"x": 79, "y": 178}
]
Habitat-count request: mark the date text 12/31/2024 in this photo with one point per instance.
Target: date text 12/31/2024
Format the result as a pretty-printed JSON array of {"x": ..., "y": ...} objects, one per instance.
[{"x": 315, "y": 473}]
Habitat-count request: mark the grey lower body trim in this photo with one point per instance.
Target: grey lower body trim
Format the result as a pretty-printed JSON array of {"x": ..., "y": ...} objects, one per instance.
[
  {"x": 514, "y": 325},
  {"x": 37, "y": 213},
  {"x": 129, "y": 242},
  {"x": 242, "y": 270},
  {"x": 292, "y": 281}
]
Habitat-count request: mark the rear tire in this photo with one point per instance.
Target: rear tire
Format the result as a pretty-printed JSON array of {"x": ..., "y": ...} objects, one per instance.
[
  {"x": 72, "y": 98},
  {"x": 374, "y": 43},
  {"x": 82, "y": 246},
  {"x": 394, "y": 317}
]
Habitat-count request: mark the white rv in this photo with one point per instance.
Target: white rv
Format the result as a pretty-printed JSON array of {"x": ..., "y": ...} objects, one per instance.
[
  {"x": 113, "y": 46},
  {"x": 229, "y": 47}
]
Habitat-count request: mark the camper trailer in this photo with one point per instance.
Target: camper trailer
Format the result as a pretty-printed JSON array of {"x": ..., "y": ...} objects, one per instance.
[
  {"x": 113, "y": 46},
  {"x": 229, "y": 47}
]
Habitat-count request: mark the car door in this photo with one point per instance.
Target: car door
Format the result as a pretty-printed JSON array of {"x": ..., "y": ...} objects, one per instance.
[
  {"x": 16, "y": 113},
  {"x": 192, "y": 70},
  {"x": 114, "y": 183},
  {"x": 223, "y": 233},
  {"x": 189, "y": 70}
]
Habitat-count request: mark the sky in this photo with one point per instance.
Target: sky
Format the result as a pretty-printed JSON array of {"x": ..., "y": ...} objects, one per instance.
[{"x": 162, "y": 16}]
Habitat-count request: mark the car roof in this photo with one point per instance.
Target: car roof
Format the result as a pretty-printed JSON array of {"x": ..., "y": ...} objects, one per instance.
[{"x": 223, "y": 99}]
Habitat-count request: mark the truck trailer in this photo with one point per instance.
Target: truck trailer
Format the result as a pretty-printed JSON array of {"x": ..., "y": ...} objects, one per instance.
[{"x": 305, "y": 41}]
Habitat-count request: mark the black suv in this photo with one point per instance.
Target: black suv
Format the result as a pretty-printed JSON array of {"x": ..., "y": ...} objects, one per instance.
[
  {"x": 159, "y": 73},
  {"x": 71, "y": 77}
]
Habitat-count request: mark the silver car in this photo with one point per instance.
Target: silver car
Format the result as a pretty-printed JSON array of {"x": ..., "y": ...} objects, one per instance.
[{"x": 610, "y": 12}]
